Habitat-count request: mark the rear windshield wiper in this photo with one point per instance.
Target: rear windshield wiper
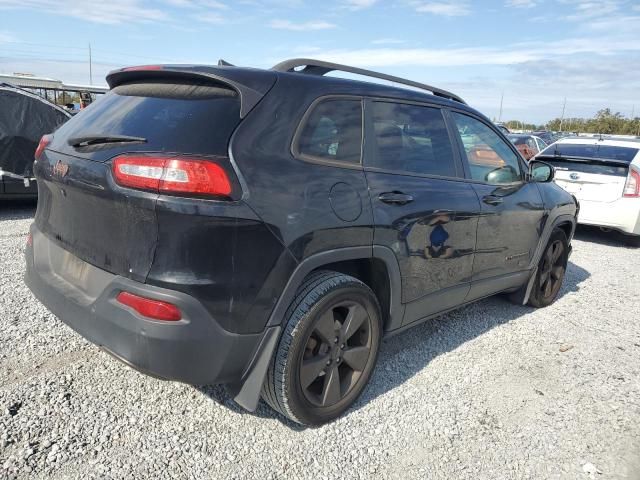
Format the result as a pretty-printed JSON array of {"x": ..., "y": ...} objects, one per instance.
[{"x": 86, "y": 140}]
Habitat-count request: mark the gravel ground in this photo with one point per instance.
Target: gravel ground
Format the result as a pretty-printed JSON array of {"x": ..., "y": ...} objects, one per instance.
[{"x": 490, "y": 391}]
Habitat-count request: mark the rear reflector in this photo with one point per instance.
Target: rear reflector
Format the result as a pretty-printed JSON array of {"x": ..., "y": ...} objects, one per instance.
[
  {"x": 632, "y": 187},
  {"x": 150, "y": 308},
  {"x": 172, "y": 175},
  {"x": 44, "y": 142}
]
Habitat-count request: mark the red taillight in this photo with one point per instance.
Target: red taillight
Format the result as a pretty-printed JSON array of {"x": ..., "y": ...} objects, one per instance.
[
  {"x": 29, "y": 240},
  {"x": 632, "y": 187},
  {"x": 150, "y": 308},
  {"x": 141, "y": 67},
  {"x": 44, "y": 142},
  {"x": 178, "y": 175}
]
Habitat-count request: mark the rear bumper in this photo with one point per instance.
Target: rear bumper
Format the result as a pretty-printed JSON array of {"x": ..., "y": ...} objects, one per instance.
[
  {"x": 195, "y": 350},
  {"x": 622, "y": 214}
]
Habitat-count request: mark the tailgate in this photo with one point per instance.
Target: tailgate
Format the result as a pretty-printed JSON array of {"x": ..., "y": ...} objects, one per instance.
[
  {"x": 90, "y": 217},
  {"x": 166, "y": 115},
  {"x": 591, "y": 181}
]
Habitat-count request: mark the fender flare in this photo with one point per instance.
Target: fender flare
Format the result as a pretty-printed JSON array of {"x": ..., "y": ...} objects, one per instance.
[
  {"x": 246, "y": 393},
  {"x": 542, "y": 244}
]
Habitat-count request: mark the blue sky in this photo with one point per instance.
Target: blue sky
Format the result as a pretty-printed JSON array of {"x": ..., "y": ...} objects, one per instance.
[{"x": 535, "y": 51}]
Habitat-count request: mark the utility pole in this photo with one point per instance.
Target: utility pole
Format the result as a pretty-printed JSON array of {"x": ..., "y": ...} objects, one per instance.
[
  {"x": 90, "y": 67},
  {"x": 500, "y": 114},
  {"x": 562, "y": 117}
]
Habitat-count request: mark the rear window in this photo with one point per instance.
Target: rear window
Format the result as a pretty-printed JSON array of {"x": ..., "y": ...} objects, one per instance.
[
  {"x": 333, "y": 132},
  {"x": 590, "y": 167},
  {"x": 174, "y": 117},
  {"x": 597, "y": 151}
]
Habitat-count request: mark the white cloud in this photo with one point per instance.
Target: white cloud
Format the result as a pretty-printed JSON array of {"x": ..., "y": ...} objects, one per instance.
[
  {"x": 360, "y": 4},
  {"x": 301, "y": 26},
  {"x": 445, "y": 9},
  {"x": 521, "y": 3},
  {"x": 209, "y": 17},
  {"x": 98, "y": 11},
  {"x": 459, "y": 57},
  {"x": 6, "y": 37},
  {"x": 197, "y": 4},
  {"x": 388, "y": 41}
]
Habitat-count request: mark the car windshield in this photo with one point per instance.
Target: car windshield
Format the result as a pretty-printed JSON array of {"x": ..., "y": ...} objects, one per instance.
[{"x": 595, "y": 151}]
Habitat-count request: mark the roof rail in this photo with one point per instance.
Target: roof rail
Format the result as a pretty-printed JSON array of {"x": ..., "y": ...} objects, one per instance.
[{"x": 318, "y": 67}]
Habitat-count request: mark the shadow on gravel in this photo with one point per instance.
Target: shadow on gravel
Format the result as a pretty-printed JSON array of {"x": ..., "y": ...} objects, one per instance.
[
  {"x": 612, "y": 238},
  {"x": 17, "y": 209},
  {"x": 404, "y": 355}
]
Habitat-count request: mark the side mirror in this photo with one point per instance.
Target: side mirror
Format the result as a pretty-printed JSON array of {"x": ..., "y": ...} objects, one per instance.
[{"x": 541, "y": 171}]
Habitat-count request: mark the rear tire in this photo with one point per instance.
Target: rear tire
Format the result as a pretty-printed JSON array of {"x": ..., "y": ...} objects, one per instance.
[
  {"x": 551, "y": 270},
  {"x": 632, "y": 240},
  {"x": 328, "y": 350}
]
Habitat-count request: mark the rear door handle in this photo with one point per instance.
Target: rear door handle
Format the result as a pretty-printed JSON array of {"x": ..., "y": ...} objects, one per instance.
[
  {"x": 395, "y": 198},
  {"x": 492, "y": 200}
]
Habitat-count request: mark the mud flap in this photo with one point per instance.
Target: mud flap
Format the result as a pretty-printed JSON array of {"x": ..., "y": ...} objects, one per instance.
[{"x": 246, "y": 393}]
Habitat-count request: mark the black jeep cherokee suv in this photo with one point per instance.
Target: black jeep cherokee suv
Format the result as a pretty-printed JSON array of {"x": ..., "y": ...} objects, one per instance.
[{"x": 265, "y": 229}]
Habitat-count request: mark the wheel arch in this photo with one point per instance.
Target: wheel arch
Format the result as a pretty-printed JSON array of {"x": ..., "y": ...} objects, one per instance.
[
  {"x": 567, "y": 223},
  {"x": 376, "y": 266}
]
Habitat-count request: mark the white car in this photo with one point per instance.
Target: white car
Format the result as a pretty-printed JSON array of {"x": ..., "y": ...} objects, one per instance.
[{"x": 604, "y": 175}]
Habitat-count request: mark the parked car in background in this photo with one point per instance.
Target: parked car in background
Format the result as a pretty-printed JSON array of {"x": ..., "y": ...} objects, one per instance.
[
  {"x": 265, "y": 229},
  {"x": 604, "y": 175},
  {"x": 528, "y": 145},
  {"x": 545, "y": 135},
  {"x": 503, "y": 128}
]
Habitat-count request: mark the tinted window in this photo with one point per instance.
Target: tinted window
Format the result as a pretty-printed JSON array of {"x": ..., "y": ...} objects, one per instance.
[
  {"x": 490, "y": 159},
  {"x": 586, "y": 167},
  {"x": 186, "y": 118},
  {"x": 605, "y": 152},
  {"x": 411, "y": 138},
  {"x": 333, "y": 131}
]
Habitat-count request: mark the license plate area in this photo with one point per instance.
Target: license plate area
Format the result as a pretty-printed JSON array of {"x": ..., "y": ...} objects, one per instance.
[
  {"x": 74, "y": 270},
  {"x": 570, "y": 186}
]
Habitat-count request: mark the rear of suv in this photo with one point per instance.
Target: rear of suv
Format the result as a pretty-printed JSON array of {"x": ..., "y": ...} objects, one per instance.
[
  {"x": 265, "y": 229},
  {"x": 604, "y": 175}
]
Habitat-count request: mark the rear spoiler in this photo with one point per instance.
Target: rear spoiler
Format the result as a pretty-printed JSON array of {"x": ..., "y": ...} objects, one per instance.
[
  {"x": 251, "y": 85},
  {"x": 611, "y": 161}
]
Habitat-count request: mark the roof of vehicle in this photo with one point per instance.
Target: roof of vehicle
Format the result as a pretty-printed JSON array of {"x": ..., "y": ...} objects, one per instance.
[
  {"x": 615, "y": 142},
  {"x": 524, "y": 135},
  {"x": 251, "y": 83}
]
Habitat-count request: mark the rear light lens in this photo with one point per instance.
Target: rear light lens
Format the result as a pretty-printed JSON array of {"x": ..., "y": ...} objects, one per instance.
[
  {"x": 29, "y": 240},
  {"x": 141, "y": 68},
  {"x": 150, "y": 308},
  {"x": 44, "y": 142},
  {"x": 632, "y": 187},
  {"x": 172, "y": 175}
]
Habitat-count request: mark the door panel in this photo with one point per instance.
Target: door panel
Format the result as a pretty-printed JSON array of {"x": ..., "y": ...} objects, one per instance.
[
  {"x": 429, "y": 221},
  {"x": 512, "y": 209},
  {"x": 508, "y": 230}
]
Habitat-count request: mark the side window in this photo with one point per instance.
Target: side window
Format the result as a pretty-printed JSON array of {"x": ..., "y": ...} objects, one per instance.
[
  {"x": 333, "y": 131},
  {"x": 490, "y": 158},
  {"x": 411, "y": 138}
]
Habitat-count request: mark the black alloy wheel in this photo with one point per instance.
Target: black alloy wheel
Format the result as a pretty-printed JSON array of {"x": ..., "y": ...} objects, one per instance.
[{"x": 336, "y": 353}]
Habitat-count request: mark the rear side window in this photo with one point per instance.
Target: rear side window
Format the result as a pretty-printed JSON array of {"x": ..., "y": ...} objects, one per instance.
[
  {"x": 490, "y": 159},
  {"x": 174, "y": 117},
  {"x": 411, "y": 138},
  {"x": 333, "y": 132}
]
